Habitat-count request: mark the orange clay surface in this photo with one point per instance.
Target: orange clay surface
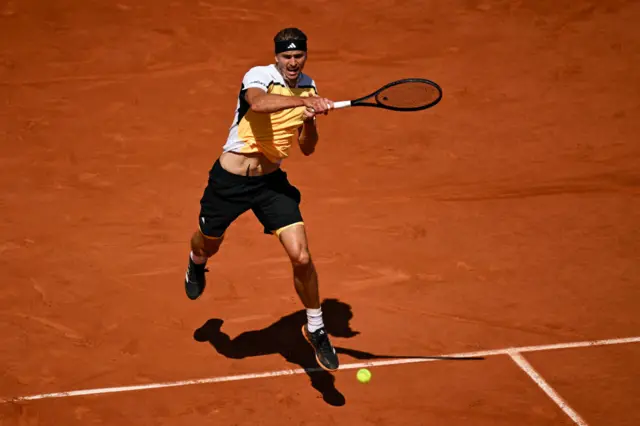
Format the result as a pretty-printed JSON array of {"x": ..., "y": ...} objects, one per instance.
[{"x": 508, "y": 215}]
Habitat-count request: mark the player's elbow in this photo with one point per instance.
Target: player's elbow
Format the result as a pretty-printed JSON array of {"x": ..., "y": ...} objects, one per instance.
[
  {"x": 257, "y": 107},
  {"x": 257, "y": 103}
]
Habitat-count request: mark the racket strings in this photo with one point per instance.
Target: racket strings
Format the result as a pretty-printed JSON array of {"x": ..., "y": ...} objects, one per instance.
[{"x": 408, "y": 95}]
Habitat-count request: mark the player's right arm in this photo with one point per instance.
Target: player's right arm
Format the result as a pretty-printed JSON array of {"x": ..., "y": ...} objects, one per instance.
[
  {"x": 263, "y": 102},
  {"x": 256, "y": 83}
]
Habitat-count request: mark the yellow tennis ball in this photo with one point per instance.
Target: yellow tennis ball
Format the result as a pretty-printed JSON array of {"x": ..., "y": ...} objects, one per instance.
[{"x": 363, "y": 375}]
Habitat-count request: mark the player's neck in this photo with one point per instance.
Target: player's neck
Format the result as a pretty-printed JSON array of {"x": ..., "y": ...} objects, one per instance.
[{"x": 288, "y": 82}]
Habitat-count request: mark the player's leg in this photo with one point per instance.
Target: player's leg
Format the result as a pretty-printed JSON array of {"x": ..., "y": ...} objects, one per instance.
[
  {"x": 224, "y": 199},
  {"x": 278, "y": 209},
  {"x": 305, "y": 277}
]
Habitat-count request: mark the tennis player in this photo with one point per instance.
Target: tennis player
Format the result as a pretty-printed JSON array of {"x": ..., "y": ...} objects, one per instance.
[{"x": 277, "y": 105}]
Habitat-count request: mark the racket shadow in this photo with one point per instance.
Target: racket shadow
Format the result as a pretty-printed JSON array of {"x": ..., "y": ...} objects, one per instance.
[{"x": 369, "y": 356}]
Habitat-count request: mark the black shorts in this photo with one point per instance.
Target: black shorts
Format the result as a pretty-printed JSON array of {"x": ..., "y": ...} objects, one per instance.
[{"x": 274, "y": 201}]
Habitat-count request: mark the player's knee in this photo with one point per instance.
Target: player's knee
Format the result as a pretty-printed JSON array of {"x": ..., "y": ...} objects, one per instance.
[{"x": 300, "y": 256}]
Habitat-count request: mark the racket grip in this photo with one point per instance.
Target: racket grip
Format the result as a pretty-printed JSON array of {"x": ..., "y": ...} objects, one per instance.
[{"x": 341, "y": 104}]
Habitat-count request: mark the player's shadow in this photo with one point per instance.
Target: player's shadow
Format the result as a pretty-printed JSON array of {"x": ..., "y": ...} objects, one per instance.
[{"x": 284, "y": 337}]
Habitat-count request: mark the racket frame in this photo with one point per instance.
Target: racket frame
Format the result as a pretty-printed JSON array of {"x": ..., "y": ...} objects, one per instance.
[{"x": 359, "y": 101}]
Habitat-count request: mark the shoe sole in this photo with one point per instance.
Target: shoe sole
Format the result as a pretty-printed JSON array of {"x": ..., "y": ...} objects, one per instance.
[{"x": 304, "y": 334}]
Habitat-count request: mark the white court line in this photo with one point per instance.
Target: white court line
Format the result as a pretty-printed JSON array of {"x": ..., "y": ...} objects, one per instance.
[
  {"x": 380, "y": 363},
  {"x": 546, "y": 387}
]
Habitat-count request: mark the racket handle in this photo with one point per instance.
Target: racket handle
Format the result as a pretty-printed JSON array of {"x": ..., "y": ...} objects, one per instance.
[{"x": 342, "y": 104}]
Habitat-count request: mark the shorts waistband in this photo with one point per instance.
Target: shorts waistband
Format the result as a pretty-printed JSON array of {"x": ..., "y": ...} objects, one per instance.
[{"x": 217, "y": 168}]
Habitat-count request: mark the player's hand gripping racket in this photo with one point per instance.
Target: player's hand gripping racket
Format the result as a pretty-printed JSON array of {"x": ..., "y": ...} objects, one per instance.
[{"x": 409, "y": 94}]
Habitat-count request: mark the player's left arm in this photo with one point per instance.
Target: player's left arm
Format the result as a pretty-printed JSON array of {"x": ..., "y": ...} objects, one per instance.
[{"x": 308, "y": 135}]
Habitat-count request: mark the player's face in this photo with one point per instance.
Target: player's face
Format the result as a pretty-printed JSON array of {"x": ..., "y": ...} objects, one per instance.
[{"x": 291, "y": 63}]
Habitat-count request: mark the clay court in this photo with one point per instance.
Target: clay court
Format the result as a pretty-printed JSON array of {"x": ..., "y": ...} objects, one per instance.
[{"x": 486, "y": 251}]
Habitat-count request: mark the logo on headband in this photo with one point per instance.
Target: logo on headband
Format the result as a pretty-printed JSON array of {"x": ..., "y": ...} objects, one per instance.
[{"x": 284, "y": 45}]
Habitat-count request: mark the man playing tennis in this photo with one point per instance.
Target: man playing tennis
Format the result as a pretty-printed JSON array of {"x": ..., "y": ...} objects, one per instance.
[{"x": 277, "y": 103}]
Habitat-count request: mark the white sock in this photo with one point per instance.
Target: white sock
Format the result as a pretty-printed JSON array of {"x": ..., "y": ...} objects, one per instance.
[
  {"x": 198, "y": 260},
  {"x": 314, "y": 319}
]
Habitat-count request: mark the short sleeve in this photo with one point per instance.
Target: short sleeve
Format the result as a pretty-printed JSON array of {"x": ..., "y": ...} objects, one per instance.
[{"x": 258, "y": 78}]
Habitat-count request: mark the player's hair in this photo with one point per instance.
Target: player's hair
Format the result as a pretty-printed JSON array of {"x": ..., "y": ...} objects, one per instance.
[{"x": 290, "y": 34}]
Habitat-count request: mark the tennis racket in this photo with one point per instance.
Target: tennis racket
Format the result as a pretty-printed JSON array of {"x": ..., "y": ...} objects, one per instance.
[{"x": 409, "y": 94}]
